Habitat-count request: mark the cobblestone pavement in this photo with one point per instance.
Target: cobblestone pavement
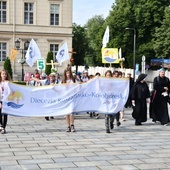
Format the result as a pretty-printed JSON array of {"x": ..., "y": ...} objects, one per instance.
[{"x": 34, "y": 143}]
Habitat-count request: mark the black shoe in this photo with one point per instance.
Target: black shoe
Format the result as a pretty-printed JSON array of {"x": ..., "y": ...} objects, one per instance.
[
  {"x": 47, "y": 118},
  {"x": 118, "y": 123},
  {"x": 68, "y": 129},
  {"x": 107, "y": 131},
  {"x": 138, "y": 124},
  {"x": 73, "y": 128},
  {"x": 111, "y": 125},
  {"x": 153, "y": 121}
]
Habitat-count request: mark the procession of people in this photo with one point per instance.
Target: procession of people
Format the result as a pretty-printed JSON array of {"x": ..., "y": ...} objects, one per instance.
[{"x": 139, "y": 96}]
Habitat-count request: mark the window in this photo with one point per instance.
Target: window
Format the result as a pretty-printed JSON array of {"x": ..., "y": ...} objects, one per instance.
[
  {"x": 54, "y": 49},
  {"x": 28, "y": 13},
  {"x": 54, "y": 15},
  {"x": 2, "y": 51},
  {"x": 3, "y": 11}
]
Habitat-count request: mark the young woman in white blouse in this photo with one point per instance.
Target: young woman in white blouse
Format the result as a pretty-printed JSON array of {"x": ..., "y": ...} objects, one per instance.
[{"x": 4, "y": 91}]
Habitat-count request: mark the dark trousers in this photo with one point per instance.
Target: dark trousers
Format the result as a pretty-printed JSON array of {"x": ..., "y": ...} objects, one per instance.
[
  {"x": 109, "y": 119},
  {"x": 3, "y": 119},
  {"x": 118, "y": 117}
]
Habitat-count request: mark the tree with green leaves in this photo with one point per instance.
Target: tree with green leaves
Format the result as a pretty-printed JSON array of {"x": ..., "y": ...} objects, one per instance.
[
  {"x": 95, "y": 29},
  {"x": 80, "y": 45},
  {"x": 48, "y": 60},
  {"x": 7, "y": 66},
  {"x": 142, "y": 15},
  {"x": 162, "y": 37}
]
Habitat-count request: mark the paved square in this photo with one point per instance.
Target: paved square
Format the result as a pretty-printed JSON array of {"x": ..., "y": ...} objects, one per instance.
[{"x": 34, "y": 143}]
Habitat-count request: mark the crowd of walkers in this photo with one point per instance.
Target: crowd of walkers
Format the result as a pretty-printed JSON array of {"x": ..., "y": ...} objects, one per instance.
[{"x": 139, "y": 96}]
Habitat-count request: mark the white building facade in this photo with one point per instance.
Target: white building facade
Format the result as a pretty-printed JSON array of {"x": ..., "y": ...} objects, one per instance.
[{"x": 48, "y": 22}]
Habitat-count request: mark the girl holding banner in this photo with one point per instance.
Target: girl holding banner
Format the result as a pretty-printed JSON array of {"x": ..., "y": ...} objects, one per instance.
[
  {"x": 4, "y": 91},
  {"x": 109, "y": 118},
  {"x": 68, "y": 78}
]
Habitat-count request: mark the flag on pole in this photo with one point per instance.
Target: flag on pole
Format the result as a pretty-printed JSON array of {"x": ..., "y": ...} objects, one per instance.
[
  {"x": 62, "y": 54},
  {"x": 106, "y": 37},
  {"x": 13, "y": 54},
  {"x": 33, "y": 53},
  {"x": 120, "y": 53}
]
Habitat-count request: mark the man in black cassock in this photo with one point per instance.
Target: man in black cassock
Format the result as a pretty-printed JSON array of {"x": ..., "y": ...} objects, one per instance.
[
  {"x": 159, "y": 98},
  {"x": 140, "y": 95}
]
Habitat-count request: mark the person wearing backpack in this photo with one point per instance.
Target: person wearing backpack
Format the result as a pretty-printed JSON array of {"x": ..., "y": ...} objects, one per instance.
[{"x": 159, "y": 98}]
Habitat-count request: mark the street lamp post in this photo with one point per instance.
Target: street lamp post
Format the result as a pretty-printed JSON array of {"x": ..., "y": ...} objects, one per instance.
[
  {"x": 134, "y": 50},
  {"x": 23, "y": 51}
]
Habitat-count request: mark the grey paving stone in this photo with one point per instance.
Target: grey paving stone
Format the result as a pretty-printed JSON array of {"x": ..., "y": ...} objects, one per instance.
[
  {"x": 46, "y": 156},
  {"x": 152, "y": 166},
  {"x": 125, "y": 148},
  {"x": 20, "y": 167},
  {"x": 13, "y": 167},
  {"x": 125, "y": 161},
  {"x": 91, "y": 150},
  {"x": 63, "y": 151},
  {"x": 70, "y": 159},
  {"x": 101, "y": 158},
  {"x": 13, "y": 149},
  {"x": 13, "y": 157},
  {"x": 92, "y": 163},
  {"x": 118, "y": 167},
  {"x": 110, "y": 153},
  {"x": 132, "y": 156},
  {"x": 35, "y": 161},
  {"x": 155, "y": 160},
  {"x": 8, "y": 162},
  {"x": 79, "y": 154},
  {"x": 4, "y": 154},
  {"x": 29, "y": 153},
  {"x": 82, "y": 168},
  {"x": 56, "y": 165}
]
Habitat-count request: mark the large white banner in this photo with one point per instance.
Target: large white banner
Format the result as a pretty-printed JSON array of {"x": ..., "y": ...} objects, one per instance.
[{"x": 104, "y": 95}]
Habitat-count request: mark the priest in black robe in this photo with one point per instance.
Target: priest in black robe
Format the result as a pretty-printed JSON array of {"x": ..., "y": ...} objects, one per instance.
[{"x": 159, "y": 98}]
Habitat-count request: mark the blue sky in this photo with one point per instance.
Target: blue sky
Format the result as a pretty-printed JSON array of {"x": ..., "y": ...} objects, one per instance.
[{"x": 83, "y": 10}]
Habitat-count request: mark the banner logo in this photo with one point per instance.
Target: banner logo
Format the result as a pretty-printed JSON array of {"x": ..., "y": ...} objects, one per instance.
[
  {"x": 15, "y": 99},
  {"x": 110, "y": 55}
]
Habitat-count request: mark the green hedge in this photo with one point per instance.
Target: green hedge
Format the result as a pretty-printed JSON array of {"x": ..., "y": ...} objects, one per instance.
[{"x": 20, "y": 82}]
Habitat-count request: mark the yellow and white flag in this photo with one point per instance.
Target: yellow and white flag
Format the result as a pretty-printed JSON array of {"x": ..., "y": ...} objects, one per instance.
[{"x": 13, "y": 54}]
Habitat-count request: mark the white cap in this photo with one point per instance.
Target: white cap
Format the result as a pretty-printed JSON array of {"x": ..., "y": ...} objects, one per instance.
[
  {"x": 44, "y": 75},
  {"x": 85, "y": 71}
]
